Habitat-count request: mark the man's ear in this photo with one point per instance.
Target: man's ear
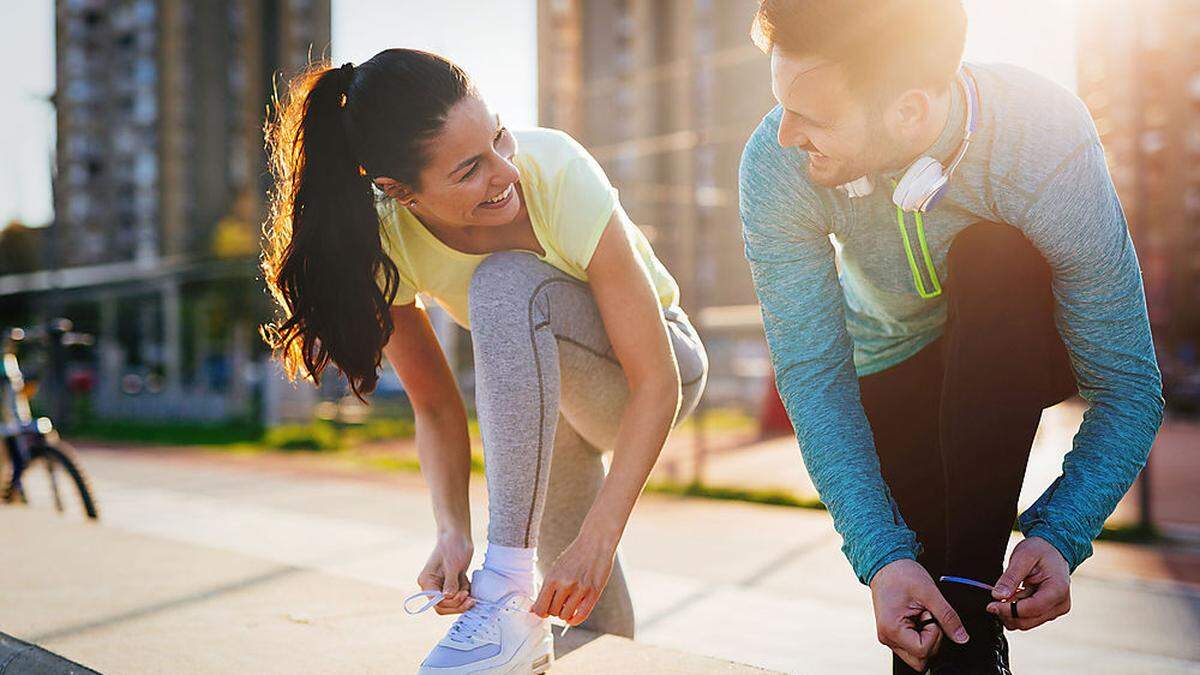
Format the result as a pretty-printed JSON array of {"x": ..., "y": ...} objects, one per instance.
[
  {"x": 396, "y": 190},
  {"x": 911, "y": 111}
]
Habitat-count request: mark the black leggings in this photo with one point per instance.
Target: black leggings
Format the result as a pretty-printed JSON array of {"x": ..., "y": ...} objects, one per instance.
[{"x": 953, "y": 424}]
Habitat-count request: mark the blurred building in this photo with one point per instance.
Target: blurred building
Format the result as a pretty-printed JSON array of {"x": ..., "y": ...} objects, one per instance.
[
  {"x": 665, "y": 94},
  {"x": 160, "y": 188},
  {"x": 160, "y": 106},
  {"x": 1139, "y": 73}
]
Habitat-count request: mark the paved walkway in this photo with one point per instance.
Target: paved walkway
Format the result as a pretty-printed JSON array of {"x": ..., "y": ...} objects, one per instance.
[{"x": 228, "y": 563}]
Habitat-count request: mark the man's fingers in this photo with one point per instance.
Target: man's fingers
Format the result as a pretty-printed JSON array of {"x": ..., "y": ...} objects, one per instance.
[
  {"x": 914, "y": 662},
  {"x": 1025, "y": 617},
  {"x": 1047, "y": 598},
  {"x": 947, "y": 618},
  {"x": 1019, "y": 567}
]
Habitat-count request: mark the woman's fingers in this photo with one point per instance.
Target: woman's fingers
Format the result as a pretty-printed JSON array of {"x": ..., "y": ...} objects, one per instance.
[
  {"x": 454, "y": 604},
  {"x": 541, "y": 606},
  {"x": 561, "y": 595},
  {"x": 430, "y": 580},
  {"x": 572, "y": 603},
  {"x": 583, "y": 610}
]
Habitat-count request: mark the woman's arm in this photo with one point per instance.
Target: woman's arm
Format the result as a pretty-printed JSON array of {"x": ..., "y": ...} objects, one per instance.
[
  {"x": 633, "y": 320},
  {"x": 443, "y": 448}
]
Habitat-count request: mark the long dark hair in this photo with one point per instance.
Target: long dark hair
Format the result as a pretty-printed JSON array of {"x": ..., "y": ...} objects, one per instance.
[{"x": 331, "y": 132}]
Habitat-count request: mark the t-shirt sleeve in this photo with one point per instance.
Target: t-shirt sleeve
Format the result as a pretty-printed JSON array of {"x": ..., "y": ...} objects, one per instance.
[
  {"x": 584, "y": 201},
  {"x": 405, "y": 293}
]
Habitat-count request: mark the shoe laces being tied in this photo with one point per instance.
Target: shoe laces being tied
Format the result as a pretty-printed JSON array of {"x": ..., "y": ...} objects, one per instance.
[{"x": 472, "y": 621}]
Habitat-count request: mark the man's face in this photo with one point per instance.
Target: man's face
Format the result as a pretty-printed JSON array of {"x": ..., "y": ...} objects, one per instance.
[{"x": 844, "y": 137}]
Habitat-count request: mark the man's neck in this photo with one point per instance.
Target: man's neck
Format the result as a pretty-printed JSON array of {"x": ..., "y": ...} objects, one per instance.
[
  {"x": 938, "y": 119},
  {"x": 923, "y": 144}
]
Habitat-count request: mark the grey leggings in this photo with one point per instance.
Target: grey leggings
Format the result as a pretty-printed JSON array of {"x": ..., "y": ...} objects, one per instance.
[{"x": 548, "y": 387}]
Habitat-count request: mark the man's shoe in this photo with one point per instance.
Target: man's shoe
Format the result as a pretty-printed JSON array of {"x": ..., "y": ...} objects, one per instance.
[{"x": 986, "y": 653}]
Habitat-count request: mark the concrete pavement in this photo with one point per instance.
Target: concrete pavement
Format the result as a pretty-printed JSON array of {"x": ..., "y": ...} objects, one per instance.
[{"x": 211, "y": 562}]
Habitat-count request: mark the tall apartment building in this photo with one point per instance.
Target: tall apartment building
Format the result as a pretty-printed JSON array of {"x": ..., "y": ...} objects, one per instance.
[
  {"x": 664, "y": 93},
  {"x": 1139, "y": 73},
  {"x": 160, "y": 189},
  {"x": 160, "y": 106}
]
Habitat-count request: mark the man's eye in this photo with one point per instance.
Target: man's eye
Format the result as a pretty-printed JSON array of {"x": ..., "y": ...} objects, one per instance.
[{"x": 471, "y": 172}]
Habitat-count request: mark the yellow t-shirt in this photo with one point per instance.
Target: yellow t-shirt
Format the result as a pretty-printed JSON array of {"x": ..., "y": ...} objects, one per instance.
[{"x": 569, "y": 200}]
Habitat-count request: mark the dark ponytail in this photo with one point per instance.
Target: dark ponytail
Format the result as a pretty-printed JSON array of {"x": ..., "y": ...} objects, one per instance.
[{"x": 333, "y": 131}]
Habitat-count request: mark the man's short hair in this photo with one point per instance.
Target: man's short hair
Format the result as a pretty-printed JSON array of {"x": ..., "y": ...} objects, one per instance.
[{"x": 884, "y": 46}]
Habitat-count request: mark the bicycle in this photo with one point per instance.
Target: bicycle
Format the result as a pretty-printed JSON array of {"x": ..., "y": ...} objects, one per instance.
[{"x": 34, "y": 447}]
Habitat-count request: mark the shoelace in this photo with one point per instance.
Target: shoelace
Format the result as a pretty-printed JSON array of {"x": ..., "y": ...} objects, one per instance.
[{"x": 471, "y": 620}]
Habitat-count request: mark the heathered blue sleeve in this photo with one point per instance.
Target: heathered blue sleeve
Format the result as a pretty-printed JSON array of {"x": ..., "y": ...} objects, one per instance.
[
  {"x": 1075, "y": 219},
  {"x": 792, "y": 265}
]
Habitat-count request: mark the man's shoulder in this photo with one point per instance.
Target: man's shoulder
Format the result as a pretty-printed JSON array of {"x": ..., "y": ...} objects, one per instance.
[{"x": 1030, "y": 112}]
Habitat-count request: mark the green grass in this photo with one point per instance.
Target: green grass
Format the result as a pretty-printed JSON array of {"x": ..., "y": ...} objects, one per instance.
[
  {"x": 316, "y": 436},
  {"x": 172, "y": 433},
  {"x": 722, "y": 419},
  {"x": 1132, "y": 534},
  {"x": 774, "y": 497},
  {"x": 407, "y": 463}
]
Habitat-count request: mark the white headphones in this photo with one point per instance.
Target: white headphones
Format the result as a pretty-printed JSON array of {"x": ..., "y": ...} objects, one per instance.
[{"x": 926, "y": 180}]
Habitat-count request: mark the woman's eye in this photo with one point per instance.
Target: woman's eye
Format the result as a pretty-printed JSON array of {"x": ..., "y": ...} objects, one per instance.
[{"x": 471, "y": 172}]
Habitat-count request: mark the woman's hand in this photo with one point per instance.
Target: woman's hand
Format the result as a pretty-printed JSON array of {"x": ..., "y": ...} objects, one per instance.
[
  {"x": 574, "y": 584},
  {"x": 446, "y": 572}
]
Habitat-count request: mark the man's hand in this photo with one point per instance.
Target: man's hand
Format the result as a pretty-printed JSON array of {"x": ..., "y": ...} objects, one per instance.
[
  {"x": 906, "y": 597},
  {"x": 1046, "y": 578}
]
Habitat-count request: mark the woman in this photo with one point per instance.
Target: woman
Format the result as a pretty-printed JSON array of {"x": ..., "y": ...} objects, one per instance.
[{"x": 394, "y": 177}]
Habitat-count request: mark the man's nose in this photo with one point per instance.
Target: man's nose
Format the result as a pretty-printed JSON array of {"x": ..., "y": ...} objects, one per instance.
[{"x": 790, "y": 132}]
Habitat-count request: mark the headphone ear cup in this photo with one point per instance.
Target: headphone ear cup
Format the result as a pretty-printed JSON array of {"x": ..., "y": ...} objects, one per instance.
[{"x": 924, "y": 177}]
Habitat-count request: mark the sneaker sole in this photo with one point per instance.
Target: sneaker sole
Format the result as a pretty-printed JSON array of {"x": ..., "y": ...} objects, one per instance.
[
  {"x": 536, "y": 656},
  {"x": 538, "y": 653}
]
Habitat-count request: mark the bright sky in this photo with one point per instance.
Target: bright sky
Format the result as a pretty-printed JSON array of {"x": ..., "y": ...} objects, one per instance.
[{"x": 494, "y": 41}]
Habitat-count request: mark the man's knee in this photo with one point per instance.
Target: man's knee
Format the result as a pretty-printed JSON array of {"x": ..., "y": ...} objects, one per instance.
[{"x": 994, "y": 255}]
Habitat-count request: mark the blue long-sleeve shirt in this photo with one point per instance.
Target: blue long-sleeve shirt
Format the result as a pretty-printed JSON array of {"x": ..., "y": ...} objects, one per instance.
[{"x": 1036, "y": 163}]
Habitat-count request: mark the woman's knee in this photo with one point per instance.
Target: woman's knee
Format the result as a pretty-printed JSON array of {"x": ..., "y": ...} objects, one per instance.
[{"x": 502, "y": 285}]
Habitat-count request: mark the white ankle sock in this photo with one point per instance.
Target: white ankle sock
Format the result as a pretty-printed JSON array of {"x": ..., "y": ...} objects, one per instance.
[{"x": 513, "y": 563}]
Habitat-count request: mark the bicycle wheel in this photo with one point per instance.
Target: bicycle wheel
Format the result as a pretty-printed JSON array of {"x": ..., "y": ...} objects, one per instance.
[{"x": 55, "y": 481}]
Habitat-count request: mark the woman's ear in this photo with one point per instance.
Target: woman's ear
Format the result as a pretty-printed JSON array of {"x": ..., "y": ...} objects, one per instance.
[{"x": 396, "y": 190}]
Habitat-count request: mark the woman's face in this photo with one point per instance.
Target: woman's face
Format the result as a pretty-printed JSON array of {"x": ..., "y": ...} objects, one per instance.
[{"x": 470, "y": 179}]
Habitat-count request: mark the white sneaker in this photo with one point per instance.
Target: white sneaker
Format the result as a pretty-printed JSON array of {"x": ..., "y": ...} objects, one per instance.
[{"x": 491, "y": 637}]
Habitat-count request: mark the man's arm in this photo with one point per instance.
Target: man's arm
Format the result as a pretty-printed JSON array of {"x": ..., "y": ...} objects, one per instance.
[
  {"x": 792, "y": 264},
  {"x": 1075, "y": 220}
]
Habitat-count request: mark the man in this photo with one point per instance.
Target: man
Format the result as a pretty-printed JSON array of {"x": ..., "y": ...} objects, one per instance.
[{"x": 915, "y": 367}]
